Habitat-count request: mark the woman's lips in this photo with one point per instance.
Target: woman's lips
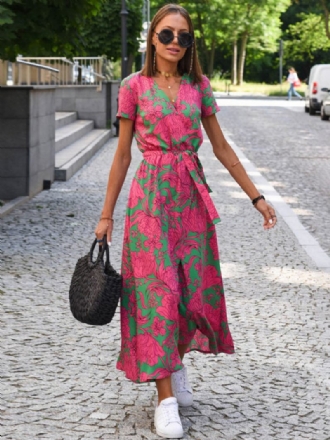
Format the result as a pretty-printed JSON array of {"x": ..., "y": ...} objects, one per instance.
[{"x": 172, "y": 50}]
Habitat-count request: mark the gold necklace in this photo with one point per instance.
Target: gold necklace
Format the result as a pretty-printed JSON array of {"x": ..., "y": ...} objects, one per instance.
[{"x": 166, "y": 74}]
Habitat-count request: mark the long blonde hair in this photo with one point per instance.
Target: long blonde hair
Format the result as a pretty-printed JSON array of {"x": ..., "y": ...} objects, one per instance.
[{"x": 185, "y": 62}]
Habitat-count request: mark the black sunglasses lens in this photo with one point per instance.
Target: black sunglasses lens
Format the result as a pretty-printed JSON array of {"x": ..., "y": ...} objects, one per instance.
[
  {"x": 185, "y": 39},
  {"x": 166, "y": 36}
]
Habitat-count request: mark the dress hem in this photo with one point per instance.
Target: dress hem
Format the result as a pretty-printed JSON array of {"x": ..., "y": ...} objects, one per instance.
[{"x": 163, "y": 376}]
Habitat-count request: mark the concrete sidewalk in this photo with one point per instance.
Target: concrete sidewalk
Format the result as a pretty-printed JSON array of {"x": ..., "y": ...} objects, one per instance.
[{"x": 58, "y": 377}]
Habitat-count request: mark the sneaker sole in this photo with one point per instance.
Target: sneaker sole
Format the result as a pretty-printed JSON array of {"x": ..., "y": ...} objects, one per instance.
[
  {"x": 185, "y": 405},
  {"x": 164, "y": 435}
]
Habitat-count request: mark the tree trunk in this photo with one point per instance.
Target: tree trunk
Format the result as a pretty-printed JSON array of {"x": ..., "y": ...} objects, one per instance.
[
  {"x": 326, "y": 17},
  {"x": 242, "y": 57},
  {"x": 234, "y": 64},
  {"x": 211, "y": 59}
]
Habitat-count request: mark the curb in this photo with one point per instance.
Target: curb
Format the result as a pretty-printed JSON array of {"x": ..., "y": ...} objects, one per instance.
[
  {"x": 12, "y": 204},
  {"x": 304, "y": 238}
]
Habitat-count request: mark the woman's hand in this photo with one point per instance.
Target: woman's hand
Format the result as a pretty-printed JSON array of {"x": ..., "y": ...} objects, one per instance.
[
  {"x": 104, "y": 228},
  {"x": 267, "y": 212}
]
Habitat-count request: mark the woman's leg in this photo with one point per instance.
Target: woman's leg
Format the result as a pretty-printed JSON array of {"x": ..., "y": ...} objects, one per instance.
[
  {"x": 296, "y": 93},
  {"x": 182, "y": 349},
  {"x": 164, "y": 388},
  {"x": 290, "y": 91}
]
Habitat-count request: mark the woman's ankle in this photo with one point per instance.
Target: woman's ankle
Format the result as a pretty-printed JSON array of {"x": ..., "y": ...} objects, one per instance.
[{"x": 164, "y": 388}]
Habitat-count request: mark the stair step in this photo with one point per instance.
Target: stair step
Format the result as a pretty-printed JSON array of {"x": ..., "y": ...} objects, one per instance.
[
  {"x": 70, "y": 133},
  {"x": 64, "y": 118},
  {"x": 69, "y": 160}
]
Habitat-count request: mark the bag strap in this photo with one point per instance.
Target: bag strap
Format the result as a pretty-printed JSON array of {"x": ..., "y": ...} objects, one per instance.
[{"x": 103, "y": 248}]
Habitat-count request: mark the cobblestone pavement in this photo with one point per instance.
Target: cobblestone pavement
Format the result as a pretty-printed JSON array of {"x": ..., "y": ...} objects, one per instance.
[
  {"x": 58, "y": 377},
  {"x": 292, "y": 150}
]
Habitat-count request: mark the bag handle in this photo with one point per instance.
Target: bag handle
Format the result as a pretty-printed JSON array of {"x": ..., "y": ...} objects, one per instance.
[{"x": 103, "y": 248}]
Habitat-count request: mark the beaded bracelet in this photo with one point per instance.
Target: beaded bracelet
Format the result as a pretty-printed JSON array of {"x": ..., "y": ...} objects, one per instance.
[{"x": 256, "y": 200}]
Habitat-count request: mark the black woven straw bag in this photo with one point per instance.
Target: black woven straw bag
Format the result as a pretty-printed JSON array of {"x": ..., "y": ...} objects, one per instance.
[{"x": 95, "y": 288}]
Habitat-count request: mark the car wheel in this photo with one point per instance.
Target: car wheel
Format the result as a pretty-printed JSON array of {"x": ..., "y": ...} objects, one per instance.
[
  {"x": 312, "y": 111},
  {"x": 306, "y": 109},
  {"x": 324, "y": 117}
]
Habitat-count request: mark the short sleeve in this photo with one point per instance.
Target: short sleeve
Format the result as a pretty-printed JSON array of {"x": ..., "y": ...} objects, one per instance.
[
  {"x": 127, "y": 98},
  {"x": 209, "y": 104}
]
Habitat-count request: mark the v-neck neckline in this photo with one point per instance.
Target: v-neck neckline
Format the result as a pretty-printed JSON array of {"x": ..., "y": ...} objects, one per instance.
[{"x": 164, "y": 93}]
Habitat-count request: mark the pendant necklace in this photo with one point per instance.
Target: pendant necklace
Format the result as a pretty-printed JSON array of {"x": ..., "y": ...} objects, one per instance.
[{"x": 168, "y": 75}]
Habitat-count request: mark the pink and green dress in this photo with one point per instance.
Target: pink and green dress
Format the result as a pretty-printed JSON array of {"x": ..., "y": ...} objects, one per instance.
[{"x": 173, "y": 291}]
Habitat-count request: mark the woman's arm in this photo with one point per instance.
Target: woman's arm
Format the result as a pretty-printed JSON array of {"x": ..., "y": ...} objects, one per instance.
[
  {"x": 118, "y": 171},
  {"x": 226, "y": 155}
]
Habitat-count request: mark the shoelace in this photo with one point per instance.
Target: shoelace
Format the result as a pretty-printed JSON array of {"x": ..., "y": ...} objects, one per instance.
[
  {"x": 170, "y": 413},
  {"x": 181, "y": 381}
]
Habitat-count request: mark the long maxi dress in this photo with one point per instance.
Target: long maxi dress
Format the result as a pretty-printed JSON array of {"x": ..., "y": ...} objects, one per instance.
[{"x": 172, "y": 285}]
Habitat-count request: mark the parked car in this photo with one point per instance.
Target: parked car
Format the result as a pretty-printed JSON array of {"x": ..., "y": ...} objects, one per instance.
[
  {"x": 318, "y": 80},
  {"x": 325, "y": 107}
]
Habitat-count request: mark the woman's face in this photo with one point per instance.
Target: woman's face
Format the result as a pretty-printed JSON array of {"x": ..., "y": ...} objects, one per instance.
[{"x": 171, "y": 52}]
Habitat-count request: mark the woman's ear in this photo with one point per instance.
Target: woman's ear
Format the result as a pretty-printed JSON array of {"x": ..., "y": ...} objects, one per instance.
[{"x": 154, "y": 40}]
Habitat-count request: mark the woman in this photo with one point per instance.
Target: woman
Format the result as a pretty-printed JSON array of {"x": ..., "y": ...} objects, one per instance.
[
  {"x": 293, "y": 80},
  {"x": 173, "y": 299}
]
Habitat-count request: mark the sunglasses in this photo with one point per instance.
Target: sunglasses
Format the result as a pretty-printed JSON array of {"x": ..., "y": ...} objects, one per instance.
[{"x": 166, "y": 36}]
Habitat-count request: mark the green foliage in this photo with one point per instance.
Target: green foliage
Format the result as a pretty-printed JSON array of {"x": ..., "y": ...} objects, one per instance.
[
  {"x": 219, "y": 23},
  {"x": 6, "y": 15},
  {"x": 102, "y": 33},
  {"x": 43, "y": 27},
  {"x": 306, "y": 37}
]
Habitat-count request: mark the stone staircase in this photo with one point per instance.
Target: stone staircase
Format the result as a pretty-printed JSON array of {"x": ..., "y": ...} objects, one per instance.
[{"x": 76, "y": 141}]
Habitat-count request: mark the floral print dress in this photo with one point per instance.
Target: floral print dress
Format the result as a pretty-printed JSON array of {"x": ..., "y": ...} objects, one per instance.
[{"x": 172, "y": 285}]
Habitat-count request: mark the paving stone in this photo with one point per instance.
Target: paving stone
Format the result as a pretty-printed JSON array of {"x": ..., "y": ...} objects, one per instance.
[{"x": 57, "y": 373}]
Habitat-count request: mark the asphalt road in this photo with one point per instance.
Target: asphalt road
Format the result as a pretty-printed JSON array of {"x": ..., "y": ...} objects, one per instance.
[{"x": 292, "y": 151}]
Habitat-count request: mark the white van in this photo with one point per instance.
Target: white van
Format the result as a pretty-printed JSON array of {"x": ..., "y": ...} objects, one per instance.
[{"x": 319, "y": 78}]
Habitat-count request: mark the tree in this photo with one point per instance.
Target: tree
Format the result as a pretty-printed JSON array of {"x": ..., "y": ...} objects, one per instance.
[
  {"x": 306, "y": 37},
  {"x": 325, "y": 4},
  {"x": 43, "y": 28},
  {"x": 319, "y": 7},
  {"x": 241, "y": 24},
  {"x": 260, "y": 27},
  {"x": 102, "y": 33},
  {"x": 304, "y": 33}
]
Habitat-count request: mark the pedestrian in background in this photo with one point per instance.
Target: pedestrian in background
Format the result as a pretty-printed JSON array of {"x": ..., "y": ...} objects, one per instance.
[
  {"x": 173, "y": 299},
  {"x": 294, "y": 81}
]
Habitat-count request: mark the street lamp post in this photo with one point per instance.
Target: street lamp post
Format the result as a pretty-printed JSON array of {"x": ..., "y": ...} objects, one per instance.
[{"x": 124, "y": 59}]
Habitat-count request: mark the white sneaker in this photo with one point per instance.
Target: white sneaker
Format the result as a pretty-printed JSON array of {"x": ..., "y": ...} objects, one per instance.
[
  {"x": 181, "y": 387},
  {"x": 167, "y": 419}
]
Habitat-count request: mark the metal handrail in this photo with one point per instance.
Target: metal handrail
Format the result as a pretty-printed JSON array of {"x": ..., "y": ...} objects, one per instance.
[
  {"x": 59, "y": 71},
  {"x": 39, "y": 66},
  {"x": 93, "y": 73},
  {"x": 100, "y": 76}
]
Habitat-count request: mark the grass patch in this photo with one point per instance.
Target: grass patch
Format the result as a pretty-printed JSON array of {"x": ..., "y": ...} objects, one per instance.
[{"x": 219, "y": 85}]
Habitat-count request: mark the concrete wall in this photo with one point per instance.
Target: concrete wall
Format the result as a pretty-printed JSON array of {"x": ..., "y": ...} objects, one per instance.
[
  {"x": 89, "y": 103},
  {"x": 27, "y": 140},
  {"x": 114, "y": 87}
]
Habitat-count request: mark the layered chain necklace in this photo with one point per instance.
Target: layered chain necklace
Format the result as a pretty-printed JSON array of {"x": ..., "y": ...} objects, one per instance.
[{"x": 167, "y": 76}]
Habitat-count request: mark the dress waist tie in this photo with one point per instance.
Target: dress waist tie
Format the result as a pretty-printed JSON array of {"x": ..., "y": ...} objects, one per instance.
[{"x": 195, "y": 169}]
